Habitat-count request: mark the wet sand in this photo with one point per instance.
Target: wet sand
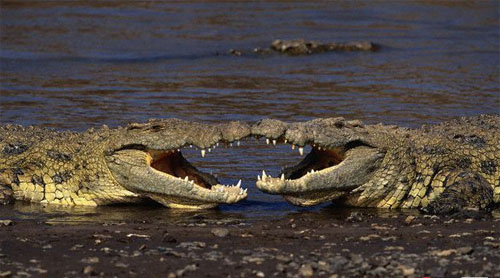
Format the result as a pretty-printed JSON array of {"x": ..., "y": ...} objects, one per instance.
[{"x": 357, "y": 243}]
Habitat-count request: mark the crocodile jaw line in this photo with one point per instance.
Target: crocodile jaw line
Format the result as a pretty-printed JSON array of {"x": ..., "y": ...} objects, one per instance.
[{"x": 357, "y": 167}]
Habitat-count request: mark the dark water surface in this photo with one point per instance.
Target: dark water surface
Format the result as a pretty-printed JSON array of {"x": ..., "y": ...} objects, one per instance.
[{"x": 75, "y": 65}]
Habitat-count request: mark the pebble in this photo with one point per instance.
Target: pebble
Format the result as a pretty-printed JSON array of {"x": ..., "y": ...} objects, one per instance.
[
  {"x": 444, "y": 253},
  {"x": 187, "y": 268},
  {"x": 306, "y": 270},
  {"x": 409, "y": 219},
  {"x": 407, "y": 270},
  {"x": 90, "y": 260},
  {"x": 220, "y": 232},
  {"x": 6, "y": 222},
  {"x": 89, "y": 270},
  {"x": 369, "y": 237},
  {"x": 465, "y": 250}
]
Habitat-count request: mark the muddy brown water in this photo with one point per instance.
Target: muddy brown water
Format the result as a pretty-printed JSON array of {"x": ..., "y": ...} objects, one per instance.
[{"x": 76, "y": 65}]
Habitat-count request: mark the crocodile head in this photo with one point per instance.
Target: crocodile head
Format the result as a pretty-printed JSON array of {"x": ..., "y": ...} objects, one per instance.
[
  {"x": 147, "y": 159},
  {"x": 344, "y": 155}
]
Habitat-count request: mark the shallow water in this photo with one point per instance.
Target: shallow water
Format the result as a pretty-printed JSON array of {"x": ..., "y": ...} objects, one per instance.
[{"x": 75, "y": 65}]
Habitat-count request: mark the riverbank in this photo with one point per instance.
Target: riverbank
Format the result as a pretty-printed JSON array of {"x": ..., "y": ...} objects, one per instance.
[{"x": 363, "y": 243}]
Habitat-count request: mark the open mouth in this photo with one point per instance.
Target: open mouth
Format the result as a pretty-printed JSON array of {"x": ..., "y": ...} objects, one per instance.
[
  {"x": 326, "y": 173},
  {"x": 174, "y": 164},
  {"x": 317, "y": 160},
  {"x": 176, "y": 167}
]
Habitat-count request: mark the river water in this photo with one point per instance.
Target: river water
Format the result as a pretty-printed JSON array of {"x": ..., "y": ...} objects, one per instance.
[{"x": 75, "y": 65}]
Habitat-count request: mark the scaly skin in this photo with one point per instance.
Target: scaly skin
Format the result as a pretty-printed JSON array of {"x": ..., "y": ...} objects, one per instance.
[
  {"x": 106, "y": 166},
  {"x": 440, "y": 169}
]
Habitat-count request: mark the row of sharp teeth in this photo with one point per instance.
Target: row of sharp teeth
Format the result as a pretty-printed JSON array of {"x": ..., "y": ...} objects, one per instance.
[
  {"x": 204, "y": 151},
  {"x": 301, "y": 149},
  {"x": 268, "y": 141},
  {"x": 282, "y": 177},
  {"x": 265, "y": 176},
  {"x": 220, "y": 188}
]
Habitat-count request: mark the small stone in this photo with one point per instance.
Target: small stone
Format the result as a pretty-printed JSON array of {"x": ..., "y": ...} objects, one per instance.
[
  {"x": 5, "y": 273},
  {"x": 220, "y": 232},
  {"x": 280, "y": 267},
  {"x": 379, "y": 271},
  {"x": 444, "y": 253},
  {"x": 171, "y": 275},
  {"x": 407, "y": 270},
  {"x": 492, "y": 244},
  {"x": 6, "y": 222},
  {"x": 283, "y": 258},
  {"x": 168, "y": 238},
  {"x": 90, "y": 260},
  {"x": 121, "y": 265},
  {"x": 394, "y": 248},
  {"x": 409, "y": 219},
  {"x": 369, "y": 237},
  {"x": 443, "y": 262},
  {"x": 356, "y": 259},
  {"x": 89, "y": 270},
  {"x": 306, "y": 270},
  {"x": 260, "y": 274},
  {"x": 190, "y": 267},
  {"x": 465, "y": 250}
]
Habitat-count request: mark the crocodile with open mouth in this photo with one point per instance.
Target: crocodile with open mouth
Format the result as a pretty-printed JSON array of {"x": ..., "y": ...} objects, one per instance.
[
  {"x": 121, "y": 165},
  {"x": 440, "y": 169}
]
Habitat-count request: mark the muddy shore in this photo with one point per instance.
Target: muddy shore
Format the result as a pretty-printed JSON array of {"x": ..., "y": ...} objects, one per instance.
[{"x": 353, "y": 243}]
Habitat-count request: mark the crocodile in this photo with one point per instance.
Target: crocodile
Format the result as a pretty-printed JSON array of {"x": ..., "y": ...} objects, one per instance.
[
  {"x": 135, "y": 163},
  {"x": 442, "y": 168},
  {"x": 300, "y": 47}
]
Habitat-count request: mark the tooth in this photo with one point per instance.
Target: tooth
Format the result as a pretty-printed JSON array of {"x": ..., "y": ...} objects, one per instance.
[
  {"x": 263, "y": 174},
  {"x": 301, "y": 151},
  {"x": 192, "y": 181},
  {"x": 258, "y": 177},
  {"x": 319, "y": 148},
  {"x": 190, "y": 146},
  {"x": 203, "y": 153},
  {"x": 274, "y": 142},
  {"x": 238, "y": 143},
  {"x": 231, "y": 144},
  {"x": 178, "y": 150},
  {"x": 286, "y": 141},
  {"x": 267, "y": 141},
  {"x": 312, "y": 171},
  {"x": 293, "y": 147},
  {"x": 282, "y": 177},
  {"x": 245, "y": 190},
  {"x": 238, "y": 184},
  {"x": 186, "y": 178},
  {"x": 209, "y": 149},
  {"x": 217, "y": 144}
]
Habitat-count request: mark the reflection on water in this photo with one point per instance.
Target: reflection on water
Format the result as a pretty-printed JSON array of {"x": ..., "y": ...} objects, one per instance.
[
  {"x": 152, "y": 213},
  {"x": 75, "y": 65}
]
